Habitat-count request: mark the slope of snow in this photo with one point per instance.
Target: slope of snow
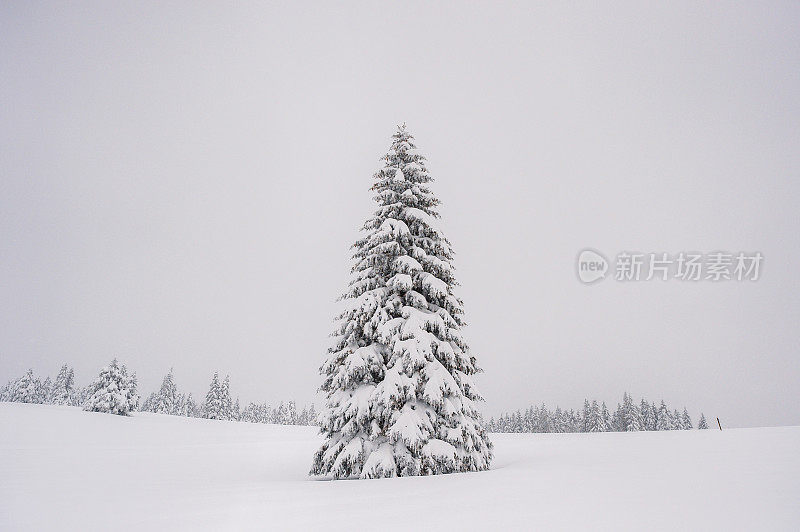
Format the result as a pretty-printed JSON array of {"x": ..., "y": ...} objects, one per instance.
[{"x": 65, "y": 469}]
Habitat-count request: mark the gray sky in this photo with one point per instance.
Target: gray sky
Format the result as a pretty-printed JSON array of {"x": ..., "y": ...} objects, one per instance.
[{"x": 180, "y": 184}]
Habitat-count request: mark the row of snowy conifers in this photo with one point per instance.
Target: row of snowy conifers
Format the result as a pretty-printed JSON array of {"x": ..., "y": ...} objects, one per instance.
[
  {"x": 596, "y": 418},
  {"x": 114, "y": 392}
]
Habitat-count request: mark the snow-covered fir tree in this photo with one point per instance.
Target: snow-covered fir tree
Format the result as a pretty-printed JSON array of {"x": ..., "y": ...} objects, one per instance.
[
  {"x": 191, "y": 408},
  {"x": 46, "y": 391},
  {"x": 114, "y": 391},
  {"x": 702, "y": 424},
  {"x": 166, "y": 400},
  {"x": 63, "y": 386},
  {"x": 27, "y": 389},
  {"x": 281, "y": 416},
  {"x": 573, "y": 419},
  {"x": 648, "y": 416},
  {"x": 632, "y": 416},
  {"x": 606, "y": 417},
  {"x": 586, "y": 415},
  {"x": 519, "y": 424},
  {"x": 302, "y": 417},
  {"x": 686, "y": 420},
  {"x": 214, "y": 407},
  {"x": 663, "y": 418},
  {"x": 400, "y": 400},
  {"x": 291, "y": 413},
  {"x": 596, "y": 422},
  {"x": 676, "y": 420},
  {"x": 80, "y": 394},
  {"x": 616, "y": 419},
  {"x": 560, "y": 421},
  {"x": 226, "y": 403}
]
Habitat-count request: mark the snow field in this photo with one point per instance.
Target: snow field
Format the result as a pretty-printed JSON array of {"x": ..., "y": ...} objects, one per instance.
[{"x": 65, "y": 469}]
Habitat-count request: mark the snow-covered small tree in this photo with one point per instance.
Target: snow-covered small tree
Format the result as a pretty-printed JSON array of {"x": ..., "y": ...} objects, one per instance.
[
  {"x": 27, "y": 389},
  {"x": 214, "y": 405},
  {"x": 648, "y": 414},
  {"x": 400, "y": 400},
  {"x": 226, "y": 404},
  {"x": 63, "y": 386},
  {"x": 663, "y": 418},
  {"x": 675, "y": 418},
  {"x": 291, "y": 413},
  {"x": 632, "y": 416},
  {"x": 596, "y": 422},
  {"x": 560, "y": 422},
  {"x": 573, "y": 419},
  {"x": 249, "y": 413},
  {"x": 149, "y": 404},
  {"x": 702, "y": 424},
  {"x": 586, "y": 415},
  {"x": 166, "y": 400},
  {"x": 114, "y": 391},
  {"x": 618, "y": 419},
  {"x": 79, "y": 395},
  {"x": 518, "y": 422},
  {"x": 530, "y": 420},
  {"x": 236, "y": 411},
  {"x": 192, "y": 408},
  {"x": 686, "y": 420},
  {"x": 280, "y": 416},
  {"x": 46, "y": 391}
]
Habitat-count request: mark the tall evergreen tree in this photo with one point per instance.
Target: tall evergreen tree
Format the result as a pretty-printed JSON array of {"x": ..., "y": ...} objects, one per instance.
[
  {"x": 400, "y": 399},
  {"x": 702, "y": 424}
]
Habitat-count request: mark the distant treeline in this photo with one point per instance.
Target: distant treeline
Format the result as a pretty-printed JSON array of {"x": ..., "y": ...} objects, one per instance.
[
  {"x": 218, "y": 403},
  {"x": 595, "y": 417}
]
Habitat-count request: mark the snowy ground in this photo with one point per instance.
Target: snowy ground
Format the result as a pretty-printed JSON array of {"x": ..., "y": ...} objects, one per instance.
[{"x": 64, "y": 469}]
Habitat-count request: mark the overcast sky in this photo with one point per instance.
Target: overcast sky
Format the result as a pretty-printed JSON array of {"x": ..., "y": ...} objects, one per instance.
[{"x": 180, "y": 184}]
